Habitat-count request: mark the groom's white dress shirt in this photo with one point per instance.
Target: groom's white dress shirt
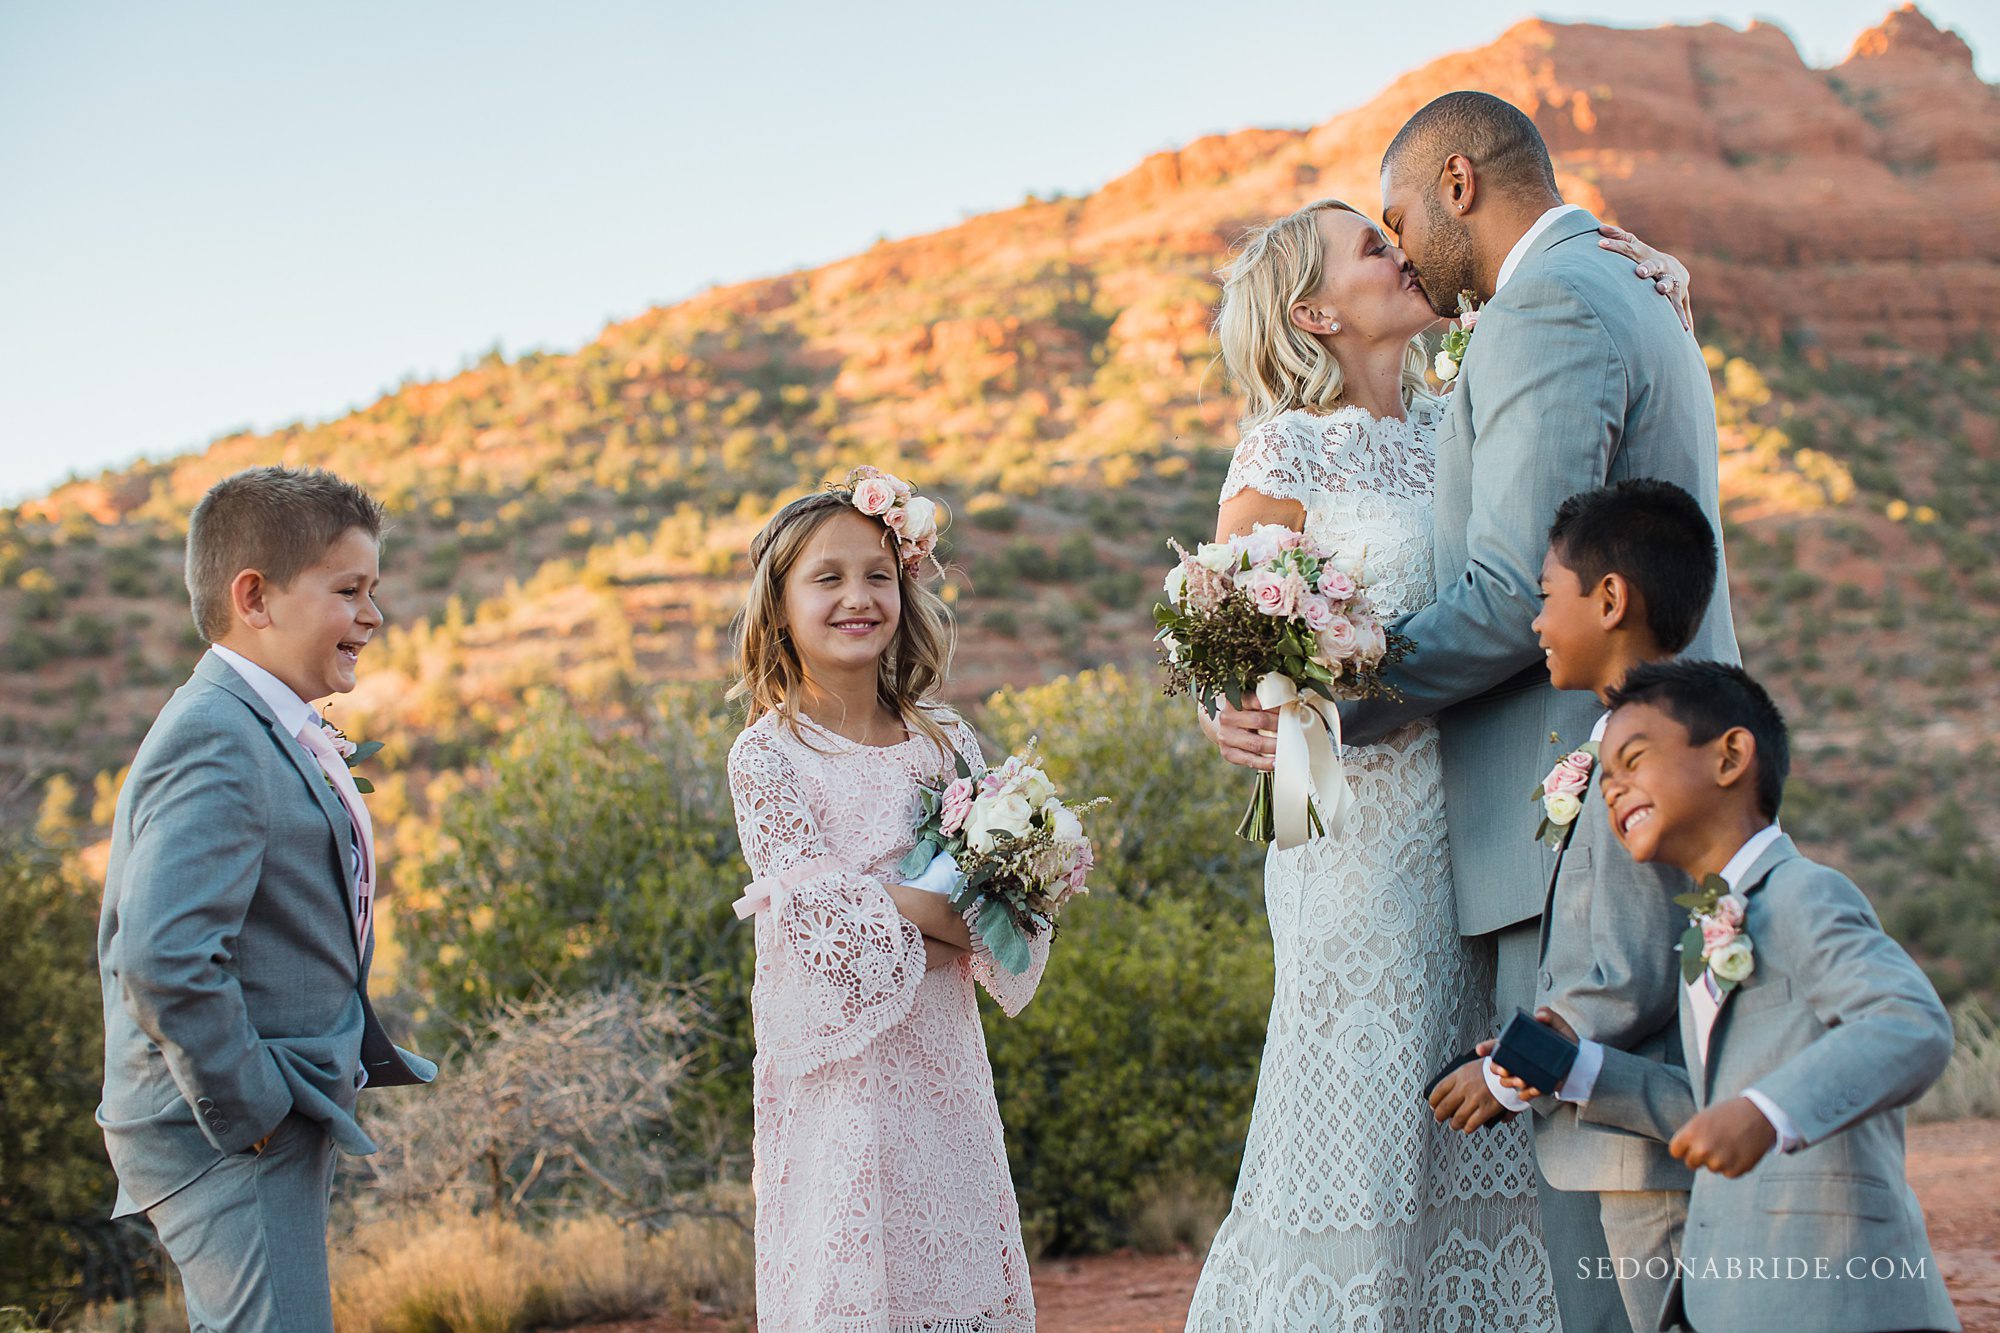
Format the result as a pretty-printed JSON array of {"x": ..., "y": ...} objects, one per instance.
[{"x": 1528, "y": 238}]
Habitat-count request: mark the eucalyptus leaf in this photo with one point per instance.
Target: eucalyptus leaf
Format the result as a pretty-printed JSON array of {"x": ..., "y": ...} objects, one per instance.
[
  {"x": 1692, "y": 963},
  {"x": 364, "y": 752},
  {"x": 1004, "y": 940}
]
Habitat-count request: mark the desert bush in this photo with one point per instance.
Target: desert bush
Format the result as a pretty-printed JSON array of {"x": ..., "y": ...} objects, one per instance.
[
  {"x": 551, "y": 1104},
  {"x": 1969, "y": 1089},
  {"x": 57, "y": 1246}
]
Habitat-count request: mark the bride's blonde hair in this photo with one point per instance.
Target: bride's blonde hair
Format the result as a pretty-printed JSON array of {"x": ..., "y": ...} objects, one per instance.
[{"x": 1278, "y": 365}]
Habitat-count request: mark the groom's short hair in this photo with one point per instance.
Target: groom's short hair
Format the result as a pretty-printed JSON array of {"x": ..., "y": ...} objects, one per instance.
[
  {"x": 1709, "y": 698},
  {"x": 1652, "y": 534},
  {"x": 1499, "y": 138},
  {"x": 279, "y": 521}
]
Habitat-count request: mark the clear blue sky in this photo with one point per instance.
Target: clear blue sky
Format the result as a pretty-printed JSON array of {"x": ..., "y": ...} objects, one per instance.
[{"x": 215, "y": 215}]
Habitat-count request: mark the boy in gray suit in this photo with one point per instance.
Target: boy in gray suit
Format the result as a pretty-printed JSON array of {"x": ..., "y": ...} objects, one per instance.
[
  {"x": 1626, "y": 580},
  {"x": 237, "y": 926},
  {"x": 1807, "y": 1030}
]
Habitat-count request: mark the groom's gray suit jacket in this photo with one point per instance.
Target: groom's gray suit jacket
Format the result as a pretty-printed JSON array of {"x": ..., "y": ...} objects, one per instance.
[
  {"x": 1579, "y": 374},
  {"x": 235, "y": 990},
  {"x": 1841, "y": 1030}
]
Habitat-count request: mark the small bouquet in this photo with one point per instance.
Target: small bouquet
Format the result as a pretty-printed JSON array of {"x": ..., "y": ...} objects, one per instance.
[
  {"x": 1457, "y": 339},
  {"x": 1273, "y": 615},
  {"x": 1020, "y": 852}
]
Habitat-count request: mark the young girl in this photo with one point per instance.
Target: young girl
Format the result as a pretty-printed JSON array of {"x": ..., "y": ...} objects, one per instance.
[{"x": 883, "y": 1199}]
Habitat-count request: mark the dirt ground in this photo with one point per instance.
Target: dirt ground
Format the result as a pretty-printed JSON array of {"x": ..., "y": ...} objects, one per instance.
[{"x": 1955, "y": 1170}]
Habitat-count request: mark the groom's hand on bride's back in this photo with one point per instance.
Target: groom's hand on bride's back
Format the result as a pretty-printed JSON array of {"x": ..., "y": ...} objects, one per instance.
[{"x": 1245, "y": 736}]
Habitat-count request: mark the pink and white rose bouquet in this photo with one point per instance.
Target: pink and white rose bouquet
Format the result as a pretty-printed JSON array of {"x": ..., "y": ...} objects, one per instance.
[
  {"x": 1272, "y": 614},
  {"x": 1020, "y": 850}
]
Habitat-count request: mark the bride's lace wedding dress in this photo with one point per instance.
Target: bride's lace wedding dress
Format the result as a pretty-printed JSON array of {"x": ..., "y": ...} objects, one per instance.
[{"x": 1355, "y": 1209}]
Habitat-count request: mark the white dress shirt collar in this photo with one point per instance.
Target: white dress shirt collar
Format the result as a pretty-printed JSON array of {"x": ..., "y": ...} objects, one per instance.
[
  {"x": 292, "y": 712},
  {"x": 1746, "y": 855},
  {"x": 1597, "y": 732},
  {"x": 1528, "y": 238}
]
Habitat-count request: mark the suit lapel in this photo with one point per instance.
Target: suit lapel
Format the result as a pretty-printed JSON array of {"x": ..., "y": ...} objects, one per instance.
[
  {"x": 220, "y": 674},
  {"x": 1780, "y": 851}
]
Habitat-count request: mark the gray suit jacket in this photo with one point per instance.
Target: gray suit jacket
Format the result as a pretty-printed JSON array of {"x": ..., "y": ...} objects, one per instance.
[
  {"x": 1841, "y": 1030},
  {"x": 1609, "y": 926},
  {"x": 1578, "y": 375},
  {"x": 235, "y": 992}
]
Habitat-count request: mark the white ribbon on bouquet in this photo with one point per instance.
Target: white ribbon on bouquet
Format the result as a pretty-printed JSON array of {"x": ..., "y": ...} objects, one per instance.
[{"x": 1308, "y": 765}]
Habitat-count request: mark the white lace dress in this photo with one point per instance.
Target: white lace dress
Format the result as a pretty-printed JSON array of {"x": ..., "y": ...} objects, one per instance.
[{"x": 1355, "y": 1209}]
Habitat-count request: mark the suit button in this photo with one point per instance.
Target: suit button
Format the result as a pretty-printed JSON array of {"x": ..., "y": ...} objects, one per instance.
[
  {"x": 205, "y": 1104},
  {"x": 219, "y": 1125},
  {"x": 1548, "y": 981}
]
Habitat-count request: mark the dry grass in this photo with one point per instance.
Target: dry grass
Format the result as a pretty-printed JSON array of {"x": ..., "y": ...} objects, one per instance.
[
  {"x": 463, "y": 1274},
  {"x": 1170, "y": 1216},
  {"x": 1970, "y": 1086}
]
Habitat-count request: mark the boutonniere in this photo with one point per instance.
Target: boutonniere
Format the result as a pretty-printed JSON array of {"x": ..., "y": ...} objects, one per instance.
[
  {"x": 352, "y": 754},
  {"x": 1457, "y": 339},
  {"x": 1714, "y": 941},
  {"x": 1561, "y": 795}
]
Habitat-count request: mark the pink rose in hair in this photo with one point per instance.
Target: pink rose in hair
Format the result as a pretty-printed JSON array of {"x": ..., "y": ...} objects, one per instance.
[
  {"x": 873, "y": 496},
  {"x": 896, "y": 518}
]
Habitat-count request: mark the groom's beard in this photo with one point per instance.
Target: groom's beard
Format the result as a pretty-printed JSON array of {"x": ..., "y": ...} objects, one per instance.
[{"x": 1448, "y": 267}]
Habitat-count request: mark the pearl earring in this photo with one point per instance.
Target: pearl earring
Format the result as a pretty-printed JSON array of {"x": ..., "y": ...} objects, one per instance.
[{"x": 1333, "y": 326}]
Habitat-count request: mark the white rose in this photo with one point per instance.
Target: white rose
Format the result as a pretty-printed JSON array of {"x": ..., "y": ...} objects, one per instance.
[
  {"x": 1733, "y": 961},
  {"x": 919, "y": 517},
  {"x": 1176, "y": 583},
  {"x": 1216, "y": 557},
  {"x": 1561, "y": 808},
  {"x": 1446, "y": 368},
  {"x": 1032, "y": 783},
  {"x": 1062, "y": 821},
  {"x": 1264, "y": 542},
  {"x": 1003, "y": 812}
]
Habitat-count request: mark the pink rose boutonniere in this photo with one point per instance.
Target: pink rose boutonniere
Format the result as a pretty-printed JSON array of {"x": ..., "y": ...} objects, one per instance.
[
  {"x": 353, "y": 753},
  {"x": 1457, "y": 341},
  {"x": 1715, "y": 941},
  {"x": 1561, "y": 795}
]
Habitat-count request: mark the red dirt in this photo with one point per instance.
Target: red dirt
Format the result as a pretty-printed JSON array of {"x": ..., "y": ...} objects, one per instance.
[{"x": 1955, "y": 1170}]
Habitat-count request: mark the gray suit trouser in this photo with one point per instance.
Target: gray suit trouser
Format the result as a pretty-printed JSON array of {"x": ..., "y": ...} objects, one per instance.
[
  {"x": 1587, "y": 1295},
  {"x": 249, "y": 1236}
]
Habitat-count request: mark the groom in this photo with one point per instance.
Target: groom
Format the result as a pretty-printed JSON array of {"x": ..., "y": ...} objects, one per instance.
[{"x": 1576, "y": 377}]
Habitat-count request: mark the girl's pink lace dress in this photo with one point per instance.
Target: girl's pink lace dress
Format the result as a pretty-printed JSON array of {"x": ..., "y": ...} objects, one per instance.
[{"x": 883, "y": 1198}]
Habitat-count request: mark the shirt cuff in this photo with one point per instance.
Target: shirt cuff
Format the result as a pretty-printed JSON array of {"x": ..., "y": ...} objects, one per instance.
[
  {"x": 1788, "y": 1133},
  {"x": 1582, "y": 1080},
  {"x": 1503, "y": 1094}
]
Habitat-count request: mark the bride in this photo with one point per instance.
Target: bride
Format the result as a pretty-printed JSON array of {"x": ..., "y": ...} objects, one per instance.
[{"x": 1354, "y": 1207}]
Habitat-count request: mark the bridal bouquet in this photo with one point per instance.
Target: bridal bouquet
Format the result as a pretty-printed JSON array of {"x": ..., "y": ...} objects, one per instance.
[
  {"x": 1021, "y": 852},
  {"x": 1273, "y": 615}
]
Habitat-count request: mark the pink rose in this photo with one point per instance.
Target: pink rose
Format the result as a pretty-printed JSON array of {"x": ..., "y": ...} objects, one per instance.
[
  {"x": 1715, "y": 934},
  {"x": 895, "y": 518},
  {"x": 1080, "y": 868},
  {"x": 1579, "y": 760},
  {"x": 1468, "y": 319},
  {"x": 1730, "y": 909},
  {"x": 957, "y": 804},
  {"x": 1374, "y": 641},
  {"x": 1270, "y": 593},
  {"x": 902, "y": 488},
  {"x": 873, "y": 496},
  {"x": 1334, "y": 584},
  {"x": 1565, "y": 781},
  {"x": 1291, "y": 541},
  {"x": 1316, "y": 611},
  {"x": 344, "y": 746},
  {"x": 1337, "y": 640}
]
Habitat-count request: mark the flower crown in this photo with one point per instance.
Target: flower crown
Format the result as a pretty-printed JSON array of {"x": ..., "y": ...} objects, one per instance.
[{"x": 913, "y": 519}]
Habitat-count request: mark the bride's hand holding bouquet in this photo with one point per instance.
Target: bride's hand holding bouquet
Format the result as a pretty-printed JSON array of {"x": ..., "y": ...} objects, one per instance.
[{"x": 1272, "y": 616}]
